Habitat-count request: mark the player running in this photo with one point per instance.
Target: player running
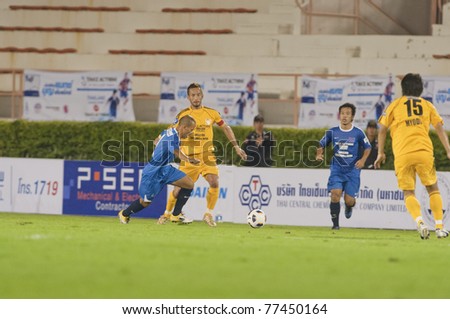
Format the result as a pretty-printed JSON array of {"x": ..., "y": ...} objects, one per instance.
[
  {"x": 409, "y": 119},
  {"x": 345, "y": 170},
  {"x": 158, "y": 172}
]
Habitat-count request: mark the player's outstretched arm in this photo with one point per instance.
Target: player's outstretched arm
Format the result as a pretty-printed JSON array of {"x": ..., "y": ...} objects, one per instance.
[
  {"x": 319, "y": 154},
  {"x": 178, "y": 153},
  {"x": 230, "y": 135},
  {"x": 381, "y": 158},
  {"x": 443, "y": 138}
]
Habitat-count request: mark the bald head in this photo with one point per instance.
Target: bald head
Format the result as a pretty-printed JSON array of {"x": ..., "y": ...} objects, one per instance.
[
  {"x": 186, "y": 125},
  {"x": 187, "y": 121}
]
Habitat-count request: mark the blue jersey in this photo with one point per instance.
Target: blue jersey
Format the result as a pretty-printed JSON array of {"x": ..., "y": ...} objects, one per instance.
[
  {"x": 157, "y": 173},
  {"x": 347, "y": 145},
  {"x": 163, "y": 153}
]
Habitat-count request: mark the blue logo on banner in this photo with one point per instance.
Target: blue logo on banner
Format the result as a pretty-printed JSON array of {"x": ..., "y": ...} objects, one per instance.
[
  {"x": 255, "y": 194},
  {"x": 93, "y": 189}
]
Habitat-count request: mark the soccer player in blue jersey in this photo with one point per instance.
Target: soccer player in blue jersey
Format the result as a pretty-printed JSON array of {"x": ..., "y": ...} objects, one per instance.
[
  {"x": 348, "y": 141},
  {"x": 158, "y": 172}
]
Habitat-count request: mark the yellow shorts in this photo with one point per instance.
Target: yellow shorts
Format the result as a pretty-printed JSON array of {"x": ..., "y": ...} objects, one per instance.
[
  {"x": 420, "y": 163},
  {"x": 207, "y": 166}
]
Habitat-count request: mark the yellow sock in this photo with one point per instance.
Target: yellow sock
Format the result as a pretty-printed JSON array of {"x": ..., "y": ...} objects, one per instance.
[
  {"x": 436, "y": 208},
  {"x": 171, "y": 200},
  {"x": 212, "y": 197},
  {"x": 413, "y": 207}
]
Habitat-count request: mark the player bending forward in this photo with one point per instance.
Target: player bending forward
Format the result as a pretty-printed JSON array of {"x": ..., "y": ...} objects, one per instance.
[{"x": 158, "y": 172}]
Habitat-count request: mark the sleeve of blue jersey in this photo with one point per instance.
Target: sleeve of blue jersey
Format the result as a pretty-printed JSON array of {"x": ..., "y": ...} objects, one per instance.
[
  {"x": 365, "y": 140},
  {"x": 326, "y": 138}
]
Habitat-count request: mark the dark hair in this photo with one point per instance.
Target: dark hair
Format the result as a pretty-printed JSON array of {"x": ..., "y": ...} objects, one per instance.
[
  {"x": 372, "y": 123},
  {"x": 412, "y": 84},
  {"x": 258, "y": 118},
  {"x": 193, "y": 86},
  {"x": 349, "y": 105}
]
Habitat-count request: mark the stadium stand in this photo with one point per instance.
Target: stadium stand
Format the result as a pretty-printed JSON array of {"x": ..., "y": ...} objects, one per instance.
[
  {"x": 158, "y": 52},
  {"x": 441, "y": 56},
  {"x": 70, "y": 8},
  {"x": 209, "y": 10},
  {"x": 265, "y": 37},
  {"x": 182, "y": 31},
  {"x": 50, "y": 29},
  {"x": 36, "y": 50}
]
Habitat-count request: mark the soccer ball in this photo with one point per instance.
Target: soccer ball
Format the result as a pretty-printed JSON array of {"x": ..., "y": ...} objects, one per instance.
[{"x": 256, "y": 218}]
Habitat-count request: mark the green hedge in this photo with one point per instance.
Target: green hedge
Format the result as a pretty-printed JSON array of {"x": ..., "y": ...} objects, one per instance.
[{"x": 133, "y": 142}]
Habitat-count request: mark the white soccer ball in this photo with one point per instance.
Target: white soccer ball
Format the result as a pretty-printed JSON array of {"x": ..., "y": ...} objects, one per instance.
[{"x": 256, "y": 218}]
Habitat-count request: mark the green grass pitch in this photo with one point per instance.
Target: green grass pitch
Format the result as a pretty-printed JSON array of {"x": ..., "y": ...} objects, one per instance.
[{"x": 46, "y": 256}]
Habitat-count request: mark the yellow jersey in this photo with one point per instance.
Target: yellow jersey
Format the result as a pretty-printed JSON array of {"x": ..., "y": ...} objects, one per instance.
[
  {"x": 201, "y": 140},
  {"x": 409, "y": 119}
]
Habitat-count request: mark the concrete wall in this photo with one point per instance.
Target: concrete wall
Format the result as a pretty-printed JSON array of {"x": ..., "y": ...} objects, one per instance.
[
  {"x": 153, "y": 5},
  {"x": 5, "y": 106},
  {"x": 238, "y": 45},
  {"x": 379, "y": 57},
  {"x": 413, "y": 17}
]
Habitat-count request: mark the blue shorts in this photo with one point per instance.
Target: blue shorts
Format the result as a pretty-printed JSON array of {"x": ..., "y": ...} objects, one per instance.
[
  {"x": 154, "y": 178},
  {"x": 124, "y": 93},
  {"x": 348, "y": 181}
]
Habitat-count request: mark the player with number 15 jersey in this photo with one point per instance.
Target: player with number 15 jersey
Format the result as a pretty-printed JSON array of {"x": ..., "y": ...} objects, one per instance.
[{"x": 409, "y": 118}]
